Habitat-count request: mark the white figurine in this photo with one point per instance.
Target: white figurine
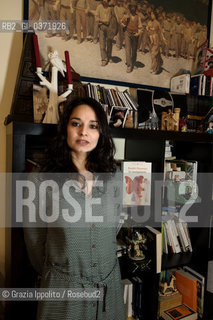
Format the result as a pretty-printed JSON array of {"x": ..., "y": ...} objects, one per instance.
[{"x": 57, "y": 62}]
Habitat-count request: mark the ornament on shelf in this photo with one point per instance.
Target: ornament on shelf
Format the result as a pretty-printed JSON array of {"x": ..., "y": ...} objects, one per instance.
[
  {"x": 210, "y": 125},
  {"x": 52, "y": 114},
  {"x": 168, "y": 288},
  {"x": 136, "y": 245},
  {"x": 182, "y": 124},
  {"x": 170, "y": 120}
]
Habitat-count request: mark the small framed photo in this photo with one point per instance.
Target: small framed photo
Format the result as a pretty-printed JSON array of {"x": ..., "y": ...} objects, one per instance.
[{"x": 118, "y": 117}]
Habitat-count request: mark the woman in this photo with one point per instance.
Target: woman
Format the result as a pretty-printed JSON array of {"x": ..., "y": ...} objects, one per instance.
[
  {"x": 156, "y": 37},
  {"x": 83, "y": 255}
]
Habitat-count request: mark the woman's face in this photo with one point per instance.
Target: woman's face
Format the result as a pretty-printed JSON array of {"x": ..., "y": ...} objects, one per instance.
[{"x": 83, "y": 130}]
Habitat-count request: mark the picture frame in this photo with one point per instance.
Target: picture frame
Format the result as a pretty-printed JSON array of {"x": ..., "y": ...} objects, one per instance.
[{"x": 85, "y": 57}]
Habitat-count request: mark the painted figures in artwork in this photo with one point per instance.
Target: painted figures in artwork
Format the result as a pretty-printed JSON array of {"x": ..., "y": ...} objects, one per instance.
[{"x": 131, "y": 33}]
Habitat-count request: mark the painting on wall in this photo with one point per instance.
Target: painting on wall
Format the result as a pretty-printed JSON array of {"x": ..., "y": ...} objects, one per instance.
[{"x": 124, "y": 41}]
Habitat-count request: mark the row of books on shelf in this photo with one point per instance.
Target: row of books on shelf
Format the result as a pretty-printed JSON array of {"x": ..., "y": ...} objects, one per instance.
[
  {"x": 201, "y": 85},
  {"x": 176, "y": 237},
  {"x": 184, "y": 301},
  {"x": 120, "y": 106},
  {"x": 133, "y": 298},
  {"x": 111, "y": 97},
  {"x": 186, "y": 297},
  {"x": 198, "y": 85}
]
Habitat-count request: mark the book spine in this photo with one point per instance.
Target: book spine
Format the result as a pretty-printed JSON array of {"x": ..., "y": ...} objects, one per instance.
[
  {"x": 172, "y": 232},
  {"x": 187, "y": 235},
  {"x": 133, "y": 103},
  {"x": 129, "y": 100}
]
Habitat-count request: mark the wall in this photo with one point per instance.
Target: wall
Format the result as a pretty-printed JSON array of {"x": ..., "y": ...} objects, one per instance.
[{"x": 11, "y": 46}]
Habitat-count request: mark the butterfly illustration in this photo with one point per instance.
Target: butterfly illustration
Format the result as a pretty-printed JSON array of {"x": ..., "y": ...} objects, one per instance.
[{"x": 135, "y": 188}]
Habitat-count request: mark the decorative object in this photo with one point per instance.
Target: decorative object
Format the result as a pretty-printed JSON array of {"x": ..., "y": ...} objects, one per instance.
[
  {"x": 182, "y": 124},
  {"x": 136, "y": 245},
  {"x": 67, "y": 59},
  {"x": 183, "y": 26},
  {"x": 210, "y": 125},
  {"x": 37, "y": 54},
  {"x": 168, "y": 288},
  {"x": 52, "y": 113},
  {"x": 170, "y": 120}
]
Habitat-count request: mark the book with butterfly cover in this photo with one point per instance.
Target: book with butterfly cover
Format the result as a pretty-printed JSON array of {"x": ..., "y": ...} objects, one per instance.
[{"x": 136, "y": 183}]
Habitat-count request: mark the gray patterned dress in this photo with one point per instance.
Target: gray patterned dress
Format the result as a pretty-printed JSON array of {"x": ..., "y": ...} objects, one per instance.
[{"x": 80, "y": 256}]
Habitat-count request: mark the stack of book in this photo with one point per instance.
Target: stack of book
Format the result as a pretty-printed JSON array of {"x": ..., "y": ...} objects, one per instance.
[
  {"x": 190, "y": 285},
  {"x": 133, "y": 298},
  {"x": 166, "y": 302},
  {"x": 115, "y": 103},
  {"x": 201, "y": 85},
  {"x": 176, "y": 236},
  {"x": 197, "y": 85}
]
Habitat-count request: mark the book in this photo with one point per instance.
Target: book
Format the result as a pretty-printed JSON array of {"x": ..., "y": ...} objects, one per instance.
[
  {"x": 172, "y": 237},
  {"x": 128, "y": 297},
  {"x": 182, "y": 235},
  {"x": 200, "y": 289},
  {"x": 155, "y": 237},
  {"x": 120, "y": 148},
  {"x": 186, "y": 284},
  {"x": 186, "y": 230},
  {"x": 131, "y": 101},
  {"x": 165, "y": 242},
  {"x": 138, "y": 299},
  {"x": 136, "y": 183},
  {"x": 180, "y": 312},
  {"x": 196, "y": 84}
]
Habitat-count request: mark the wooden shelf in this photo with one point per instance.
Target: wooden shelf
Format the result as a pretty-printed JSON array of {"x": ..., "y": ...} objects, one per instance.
[
  {"x": 30, "y": 128},
  {"x": 175, "y": 260}
]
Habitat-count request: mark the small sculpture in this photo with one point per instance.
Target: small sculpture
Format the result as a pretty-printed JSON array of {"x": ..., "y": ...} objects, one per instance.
[
  {"x": 52, "y": 114},
  {"x": 210, "y": 125},
  {"x": 170, "y": 120},
  {"x": 136, "y": 245},
  {"x": 168, "y": 288},
  {"x": 182, "y": 124},
  {"x": 57, "y": 62}
]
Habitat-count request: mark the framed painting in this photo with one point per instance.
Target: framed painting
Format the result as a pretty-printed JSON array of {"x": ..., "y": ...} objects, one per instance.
[{"x": 125, "y": 42}]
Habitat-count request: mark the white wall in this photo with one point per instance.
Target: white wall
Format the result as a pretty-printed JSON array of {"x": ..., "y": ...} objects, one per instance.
[{"x": 11, "y": 46}]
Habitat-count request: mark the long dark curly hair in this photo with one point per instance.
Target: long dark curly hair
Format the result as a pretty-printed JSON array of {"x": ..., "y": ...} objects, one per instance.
[{"x": 101, "y": 159}]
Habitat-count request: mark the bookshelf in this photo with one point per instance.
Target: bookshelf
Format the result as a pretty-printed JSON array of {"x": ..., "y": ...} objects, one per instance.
[{"x": 26, "y": 138}]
